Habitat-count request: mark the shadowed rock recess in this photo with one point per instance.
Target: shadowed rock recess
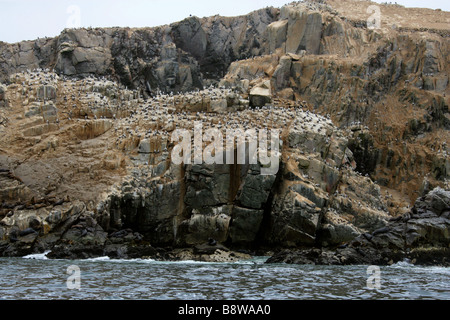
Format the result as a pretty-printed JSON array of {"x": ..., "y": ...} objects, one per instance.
[{"x": 87, "y": 117}]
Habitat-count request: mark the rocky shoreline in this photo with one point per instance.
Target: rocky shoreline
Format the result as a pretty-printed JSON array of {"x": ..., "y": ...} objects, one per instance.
[{"x": 421, "y": 236}]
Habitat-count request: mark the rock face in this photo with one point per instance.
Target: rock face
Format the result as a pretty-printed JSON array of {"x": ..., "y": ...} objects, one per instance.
[
  {"x": 88, "y": 119},
  {"x": 304, "y": 30},
  {"x": 2, "y": 96},
  {"x": 154, "y": 202},
  {"x": 421, "y": 236},
  {"x": 171, "y": 58}
]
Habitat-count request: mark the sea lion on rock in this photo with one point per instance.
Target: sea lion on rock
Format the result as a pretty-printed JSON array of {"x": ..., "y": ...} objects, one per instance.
[
  {"x": 209, "y": 249},
  {"x": 119, "y": 234},
  {"x": 381, "y": 230},
  {"x": 26, "y": 232},
  {"x": 368, "y": 236},
  {"x": 58, "y": 203}
]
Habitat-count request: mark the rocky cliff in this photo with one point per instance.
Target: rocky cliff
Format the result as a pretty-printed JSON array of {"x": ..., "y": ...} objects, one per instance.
[{"x": 87, "y": 119}]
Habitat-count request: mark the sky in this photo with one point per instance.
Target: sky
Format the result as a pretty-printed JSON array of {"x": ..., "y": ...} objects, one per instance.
[{"x": 30, "y": 19}]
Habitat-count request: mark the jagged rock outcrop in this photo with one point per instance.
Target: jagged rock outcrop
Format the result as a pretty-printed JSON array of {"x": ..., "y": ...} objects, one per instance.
[
  {"x": 318, "y": 184},
  {"x": 176, "y": 57},
  {"x": 421, "y": 236}
]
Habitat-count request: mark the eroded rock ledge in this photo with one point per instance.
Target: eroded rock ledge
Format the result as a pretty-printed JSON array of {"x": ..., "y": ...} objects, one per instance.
[{"x": 421, "y": 236}]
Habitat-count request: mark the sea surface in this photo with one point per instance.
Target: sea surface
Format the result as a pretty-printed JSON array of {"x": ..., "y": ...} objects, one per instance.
[{"x": 37, "y": 278}]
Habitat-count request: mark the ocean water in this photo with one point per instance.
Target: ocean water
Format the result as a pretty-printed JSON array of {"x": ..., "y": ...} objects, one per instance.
[{"x": 37, "y": 278}]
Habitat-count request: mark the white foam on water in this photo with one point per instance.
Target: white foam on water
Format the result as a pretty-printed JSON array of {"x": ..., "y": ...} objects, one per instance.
[
  {"x": 402, "y": 264},
  {"x": 99, "y": 259},
  {"x": 181, "y": 262},
  {"x": 37, "y": 256},
  {"x": 108, "y": 259},
  {"x": 255, "y": 261}
]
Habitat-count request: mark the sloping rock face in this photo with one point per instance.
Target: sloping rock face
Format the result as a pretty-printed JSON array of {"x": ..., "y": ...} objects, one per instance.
[
  {"x": 87, "y": 150},
  {"x": 359, "y": 76},
  {"x": 421, "y": 236},
  {"x": 172, "y": 58},
  {"x": 315, "y": 178}
]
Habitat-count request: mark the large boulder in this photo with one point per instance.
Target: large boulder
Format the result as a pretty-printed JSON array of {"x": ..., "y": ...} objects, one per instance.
[{"x": 261, "y": 95}]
